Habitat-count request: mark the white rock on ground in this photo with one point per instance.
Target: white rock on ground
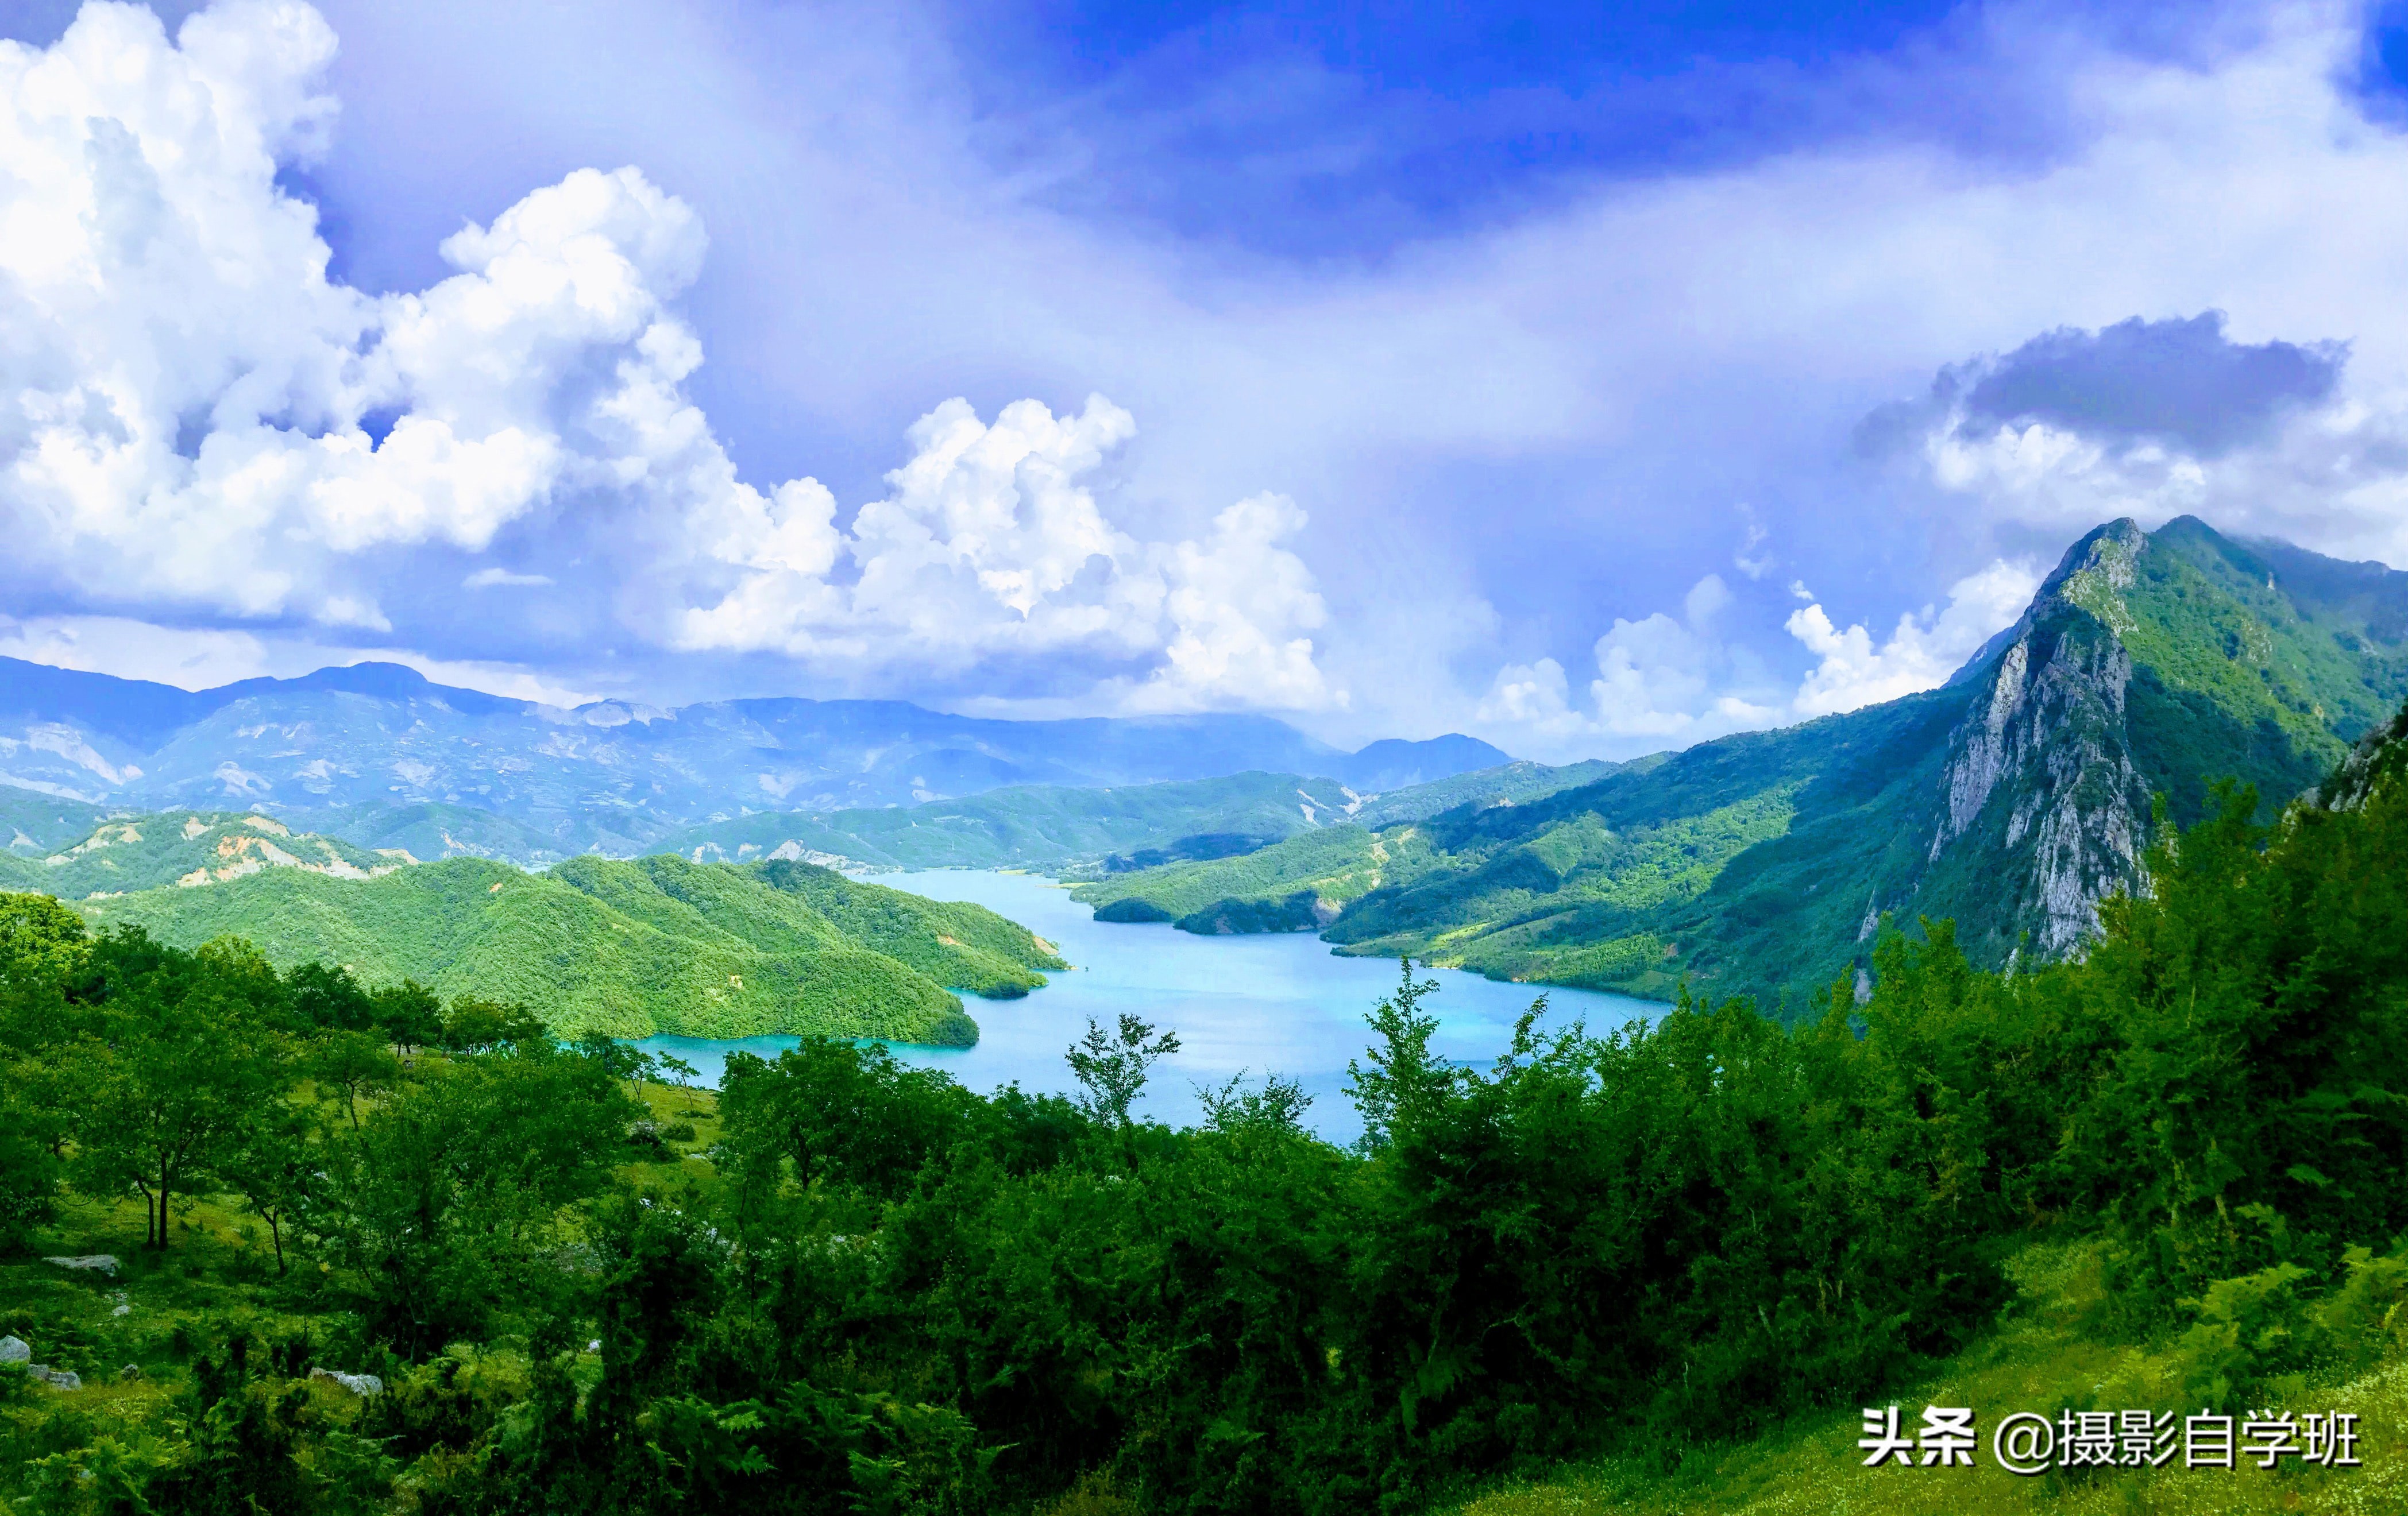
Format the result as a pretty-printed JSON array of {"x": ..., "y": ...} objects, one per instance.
[
  {"x": 103, "y": 1263},
  {"x": 362, "y": 1384}
]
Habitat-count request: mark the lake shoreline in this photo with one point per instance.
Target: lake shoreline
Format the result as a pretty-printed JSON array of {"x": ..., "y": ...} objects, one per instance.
[{"x": 1242, "y": 1004}]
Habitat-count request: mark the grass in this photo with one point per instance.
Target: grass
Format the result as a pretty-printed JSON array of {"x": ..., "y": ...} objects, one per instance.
[
  {"x": 219, "y": 1272},
  {"x": 2043, "y": 1356},
  {"x": 2046, "y": 1353}
]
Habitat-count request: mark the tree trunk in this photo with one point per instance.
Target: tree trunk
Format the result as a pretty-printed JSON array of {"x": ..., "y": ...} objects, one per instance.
[{"x": 162, "y": 1205}]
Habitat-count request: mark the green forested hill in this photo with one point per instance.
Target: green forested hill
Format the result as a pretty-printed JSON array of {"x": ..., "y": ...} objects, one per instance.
[
  {"x": 1105, "y": 830},
  {"x": 656, "y": 945},
  {"x": 36, "y": 824},
  {"x": 1306, "y": 879},
  {"x": 144, "y": 851},
  {"x": 953, "y": 942},
  {"x": 1033, "y": 826},
  {"x": 2010, "y": 800},
  {"x": 433, "y": 829}
]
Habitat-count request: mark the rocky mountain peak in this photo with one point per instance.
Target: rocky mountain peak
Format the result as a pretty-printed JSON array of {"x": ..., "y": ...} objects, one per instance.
[{"x": 2042, "y": 767}]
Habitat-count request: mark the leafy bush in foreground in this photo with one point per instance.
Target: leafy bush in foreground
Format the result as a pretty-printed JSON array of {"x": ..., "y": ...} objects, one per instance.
[{"x": 885, "y": 1291}]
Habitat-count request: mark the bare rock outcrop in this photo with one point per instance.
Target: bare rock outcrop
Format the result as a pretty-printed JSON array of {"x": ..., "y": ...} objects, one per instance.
[
  {"x": 2043, "y": 769},
  {"x": 2376, "y": 761}
]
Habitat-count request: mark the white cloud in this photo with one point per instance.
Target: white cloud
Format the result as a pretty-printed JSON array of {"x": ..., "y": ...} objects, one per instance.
[
  {"x": 1659, "y": 682},
  {"x": 189, "y": 409},
  {"x": 1652, "y": 676},
  {"x": 187, "y": 394},
  {"x": 189, "y": 658},
  {"x": 2334, "y": 479},
  {"x": 2240, "y": 175},
  {"x": 1662, "y": 682},
  {"x": 1920, "y": 653},
  {"x": 202, "y": 658},
  {"x": 1533, "y": 699},
  {"x": 992, "y": 544},
  {"x": 1747, "y": 560}
]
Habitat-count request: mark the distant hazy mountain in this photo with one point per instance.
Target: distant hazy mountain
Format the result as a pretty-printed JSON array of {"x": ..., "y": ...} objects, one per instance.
[
  {"x": 610, "y": 775},
  {"x": 2011, "y": 799},
  {"x": 1100, "y": 831}
]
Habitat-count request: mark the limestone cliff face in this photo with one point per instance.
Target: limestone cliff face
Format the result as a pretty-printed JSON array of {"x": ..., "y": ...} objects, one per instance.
[
  {"x": 2378, "y": 759},
  {"x": 2039, "y": 787}
]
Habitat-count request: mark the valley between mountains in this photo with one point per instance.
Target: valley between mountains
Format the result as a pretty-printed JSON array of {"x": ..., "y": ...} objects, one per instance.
[{"x": 610, "y": 867}]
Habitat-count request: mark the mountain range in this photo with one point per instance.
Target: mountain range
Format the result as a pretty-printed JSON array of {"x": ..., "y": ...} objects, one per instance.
[
  {"x": 378, "y": 755},
  {"x": 2011, "y": 799},
  {"x": 1073, "y": 833},
  {"x": 2148, "y": 667}
]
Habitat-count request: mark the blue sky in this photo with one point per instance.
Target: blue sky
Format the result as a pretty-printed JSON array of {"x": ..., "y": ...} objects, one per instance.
[{"x": 1595, "y": 385}]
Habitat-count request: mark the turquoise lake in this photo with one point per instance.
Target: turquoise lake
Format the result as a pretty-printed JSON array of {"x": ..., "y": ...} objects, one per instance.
[{"x": 1282, "y": 1002}]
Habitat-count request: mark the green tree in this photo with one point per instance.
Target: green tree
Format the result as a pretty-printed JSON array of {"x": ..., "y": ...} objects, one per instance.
[
  {"x": 830, "y": 1109},
  {"x": 40, "y": 940},
  {"x": 269, "y": 1164},
  {"x": 1112, "y": 1067},
  {"x": 409, "y": 1014},
  {"x": 181, "y": 1055},
  {"x": 355, "y": 1064},
  {"x": 1398, "y": 1077},
  {"x": 444, "y": 1196},
  {"x": 43, "y": 948},
  {"x": 327, "y": 998},
  {"x": 474, "y": 1024}
]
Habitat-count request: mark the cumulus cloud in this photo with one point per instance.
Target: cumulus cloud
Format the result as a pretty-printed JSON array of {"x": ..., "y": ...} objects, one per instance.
[
  {"x": 188, "y": 396},
  {"x": 2159, "y": 419},
  {"x": 992, "y": 543},
  {"x": 193, "y": 415},
  {"x": 1659, "y": 682},
  {"x": 1921, "y": 652},
  {"x": 1662, "y": 681}
]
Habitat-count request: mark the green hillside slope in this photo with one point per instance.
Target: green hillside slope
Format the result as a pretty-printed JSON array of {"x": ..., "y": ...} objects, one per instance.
[
  {"x": 34, "y": 824},
  {"x": 1031, "y": 825},
  {"x": 1306, "y": 878},
  {"x": 1096, "y": 831},
  {"x": 2011, "y": 799},
  {"x": 145, "y": 850},
  {"x": 965, "y": 946},
  {"x": 632, "y": 949},
  {"x": 433, "y": 829},
  {"x": 1508, "y": 784}
]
